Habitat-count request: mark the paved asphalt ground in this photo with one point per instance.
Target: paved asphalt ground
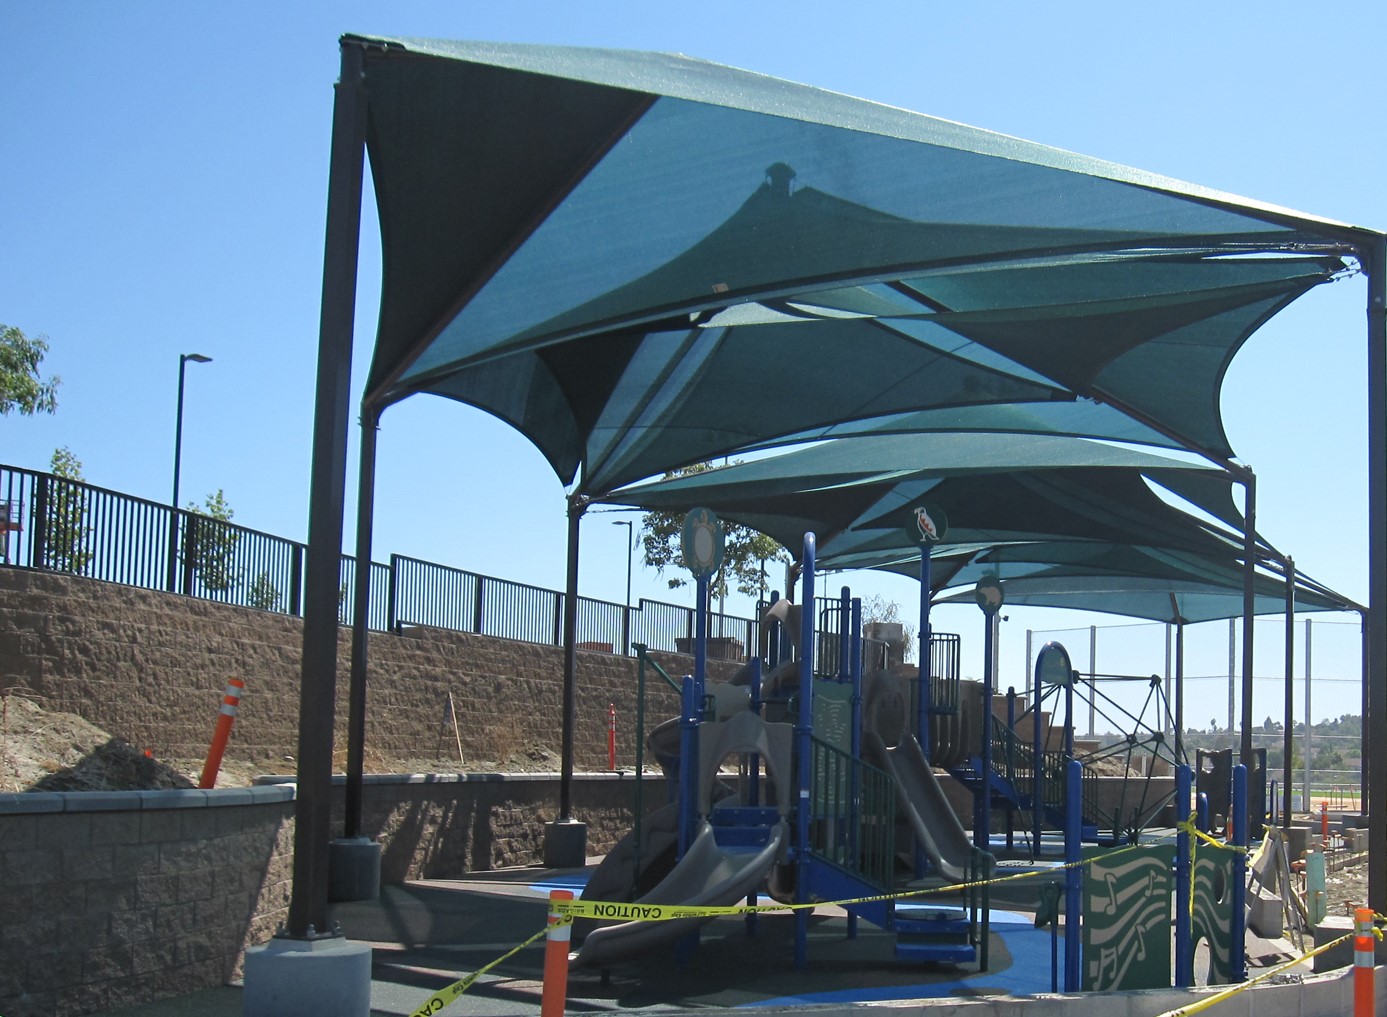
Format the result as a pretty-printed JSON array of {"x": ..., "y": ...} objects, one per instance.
[{"x": 426, "y": 935}]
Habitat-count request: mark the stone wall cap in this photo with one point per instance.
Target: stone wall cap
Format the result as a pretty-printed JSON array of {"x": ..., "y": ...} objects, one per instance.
[
  {"x": 31, "y": 801},
  {"x": 25, "y": 802}
]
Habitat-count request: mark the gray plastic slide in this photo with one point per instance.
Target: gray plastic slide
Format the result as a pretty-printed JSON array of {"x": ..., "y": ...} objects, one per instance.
[
  {"x": 924, "y": 805},
  {"x": 706, "y": 875}
]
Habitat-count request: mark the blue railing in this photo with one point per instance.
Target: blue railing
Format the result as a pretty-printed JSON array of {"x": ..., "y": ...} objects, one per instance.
[{"x": 58, "y": 525}]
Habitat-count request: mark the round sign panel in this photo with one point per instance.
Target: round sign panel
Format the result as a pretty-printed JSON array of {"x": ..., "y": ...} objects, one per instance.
[
  {"x": 702, "y": 543},
  {"x": 989, "y": 594},
  {"x": 1052, "y": 666},
  {"x": 929, "y": 525}
]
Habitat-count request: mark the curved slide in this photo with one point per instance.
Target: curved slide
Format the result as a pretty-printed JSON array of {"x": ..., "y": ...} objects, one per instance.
[
  {"x": 924, "y": 805},
  {"x": 707, "y": 875}
]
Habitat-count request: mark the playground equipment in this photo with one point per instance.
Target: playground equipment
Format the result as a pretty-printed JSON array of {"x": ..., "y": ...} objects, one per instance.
[
  {"x": 830, "y": 783},
  {"x": 806, "y": 817}
]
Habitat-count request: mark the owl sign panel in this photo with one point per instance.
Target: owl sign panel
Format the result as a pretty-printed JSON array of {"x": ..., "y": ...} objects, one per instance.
[
  {"x": 928, "y": 525},
  {"x": 702, "y": 542}
]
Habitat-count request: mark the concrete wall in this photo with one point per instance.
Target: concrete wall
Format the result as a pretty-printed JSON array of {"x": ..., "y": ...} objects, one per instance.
[
  {"x": 150, "y": 667},
  {"x": 113, "y": 899}
]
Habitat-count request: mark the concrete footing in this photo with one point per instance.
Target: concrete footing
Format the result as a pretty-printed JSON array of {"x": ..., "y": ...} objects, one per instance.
[
  {"x": 565, "y": 844},
  {"x": 353, "y": 869},
  {"x": 308, "y": 978}
]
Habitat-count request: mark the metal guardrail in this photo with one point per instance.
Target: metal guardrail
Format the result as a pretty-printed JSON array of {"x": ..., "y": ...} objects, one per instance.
[
  {"x": 58, "y": 525},
  {"x": 853, "y": 814}
]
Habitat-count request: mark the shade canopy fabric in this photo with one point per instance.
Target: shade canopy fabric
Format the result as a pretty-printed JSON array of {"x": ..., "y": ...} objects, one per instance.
[
  {"x": 644, "y": 260},
  {"x": 859, "y": 494},
  {"x": 1156, "y": 599},
  {"x": 1081, "y": 573}
]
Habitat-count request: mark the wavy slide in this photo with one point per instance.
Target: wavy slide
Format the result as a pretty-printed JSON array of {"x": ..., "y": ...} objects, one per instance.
[
  {"x": 924, "y": 805},
  {"x": 707, "y": 875}
]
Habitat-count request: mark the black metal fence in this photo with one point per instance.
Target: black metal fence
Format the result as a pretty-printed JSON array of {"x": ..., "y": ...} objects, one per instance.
[{"x": 59, "y": 525}]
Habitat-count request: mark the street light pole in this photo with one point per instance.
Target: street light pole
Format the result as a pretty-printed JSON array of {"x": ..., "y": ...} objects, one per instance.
[
  {"x": 183, "y": 359},
  {"x": 626, "y": 615}
]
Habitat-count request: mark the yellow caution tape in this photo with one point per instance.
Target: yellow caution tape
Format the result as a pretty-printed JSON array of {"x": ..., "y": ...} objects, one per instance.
[
  {"x": 449, "y": 993},
  {"x": 1188, "y": 827},
  {"x": 1229, "y": 993},
  {"x": 621, "y": 911}
]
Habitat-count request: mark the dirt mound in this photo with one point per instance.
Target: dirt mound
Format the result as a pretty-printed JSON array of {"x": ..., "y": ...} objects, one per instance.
[{"x": 42, "y": 751}]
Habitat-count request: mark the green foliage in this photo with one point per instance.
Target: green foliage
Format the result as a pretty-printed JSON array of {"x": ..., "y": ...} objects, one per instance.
[
  {"x": 21, "y": 388},
  {"x": 65, "y": 518},
  {"x": 746, "y": 551},
  {"x": 877, "y": 608},
  {"x": 209, "y": 544},
  {"x": 263, "y": 593}
]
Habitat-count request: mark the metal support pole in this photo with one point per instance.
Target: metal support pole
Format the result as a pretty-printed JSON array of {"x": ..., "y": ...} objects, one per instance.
[
  {"x": 804, "y": 734},
  {"x": 1309, "y": 726},
  {"x": 361, "y": 623},
  {"x": 1074, "y": 877},
  {"x": 1232, "y": 670},
  {"x": 1374, "y": 257},
  {"x": 1238, "y": 890},
  {"x": 1288, "y": 735},
  {"x": 1092, "y": 677},
  {"x": 1249, "y": 480},
  {"x": 308, "y": 901},
  {"x": 925, "y": 680},
  {"x": 1184, "y": 958},
  {"x": 576, "y": 504},
  {"x": 1180, "y": 689}
]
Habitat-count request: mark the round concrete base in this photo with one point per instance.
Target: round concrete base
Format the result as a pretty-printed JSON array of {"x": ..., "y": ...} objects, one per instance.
[
  {"x": 353, "y": 869},
  {"x": 308, "y": 978},
  {"x": 565, "y": 844}
]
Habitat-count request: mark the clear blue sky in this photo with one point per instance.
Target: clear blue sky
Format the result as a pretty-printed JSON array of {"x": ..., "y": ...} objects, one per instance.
[{"x": 163, "y": 185}]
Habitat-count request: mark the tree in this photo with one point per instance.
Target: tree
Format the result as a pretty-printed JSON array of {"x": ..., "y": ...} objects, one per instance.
[
  {"x": 877, "y": 609},
  {"x": 746, "y": 551},
  {"x": 263, "y": 593},
  {"x": 65, "y": 518},
  {"x": 209, "y": 547},
  {"x": 21, "y": 388}
]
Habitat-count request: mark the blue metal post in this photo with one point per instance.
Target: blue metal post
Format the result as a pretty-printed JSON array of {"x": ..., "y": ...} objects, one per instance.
[
  {"x": 1038, "y": 773},
  {"x": 982, "y": 802},
  {"x": 754, "y": 791},
  {"x": 1011, "y": 757},
  {"x": 1239, "y": 888},
  {"x": 701, "y": 638},
  {"x": 844, "y": 634},
  {"x": 1074, "y": 876},
  {"x": 773, "y": 637},
  {"x": 1202, "y": 813},
  {"x": 925, "y": 693},
  {"x": 1184, "y": 957},
  {"x": 690, "y": 707},
  {"x": 854, "y": 619},
  {"x": 804, "y": 732}
]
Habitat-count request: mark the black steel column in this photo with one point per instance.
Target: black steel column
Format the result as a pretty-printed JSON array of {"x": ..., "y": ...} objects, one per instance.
[
  {"x": 576, "y": 505},
  {"x": 1374, "y": 257},
  {"x": 308, "y": 903},
  {"x": 1287, "y": 739},
  {"x": 1180, "y": 689},
  {"x": 361, "y": 622},
  {"x": 1249, "y": 480}
]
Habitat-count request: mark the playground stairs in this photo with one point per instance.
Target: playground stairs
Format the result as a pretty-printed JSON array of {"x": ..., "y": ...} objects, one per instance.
[
  {"x": 924, "y": 932},
  {"x": 746, "y": 827}
]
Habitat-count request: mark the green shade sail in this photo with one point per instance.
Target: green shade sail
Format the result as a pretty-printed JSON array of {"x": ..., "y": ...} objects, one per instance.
[
  {"x": 859, "y": 494},
  {"x": 1155, "y": 599},
  {"x": 643, "y": 260}
]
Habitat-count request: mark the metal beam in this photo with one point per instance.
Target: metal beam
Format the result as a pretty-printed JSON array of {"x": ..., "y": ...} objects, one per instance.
[
  {"x": 361, "y": 622},
  {"x": 576, "y": 505},
  {"x": 1249, "y": 480},
  {"x": 1375, "y": 267},
  {"x": 327, "y": 494},
  {"x": 1287, "y": 736}
]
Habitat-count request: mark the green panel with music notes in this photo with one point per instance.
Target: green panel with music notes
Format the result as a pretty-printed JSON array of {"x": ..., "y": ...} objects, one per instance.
[{"x": 1127, "y": 933}]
